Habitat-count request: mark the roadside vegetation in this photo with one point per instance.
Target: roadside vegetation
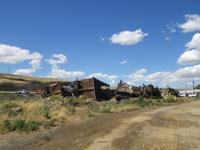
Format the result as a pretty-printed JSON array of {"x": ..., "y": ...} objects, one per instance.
[{"x": 31, "y": 115}]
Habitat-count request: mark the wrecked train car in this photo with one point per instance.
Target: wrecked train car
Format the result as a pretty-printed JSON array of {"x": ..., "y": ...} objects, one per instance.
[
  {"x": 123, "y": 89},
  {"x": 149, "y": 91},
  {"x": 95, "y": 89},
  {"x": 51, "y": 89}
]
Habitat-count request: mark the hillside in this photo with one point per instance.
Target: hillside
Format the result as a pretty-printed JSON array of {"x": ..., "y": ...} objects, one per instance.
[{"x": 10, "y": 82}]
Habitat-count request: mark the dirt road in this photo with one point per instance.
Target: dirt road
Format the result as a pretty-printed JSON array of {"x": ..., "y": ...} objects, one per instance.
[{"x": 174, "y": 127}]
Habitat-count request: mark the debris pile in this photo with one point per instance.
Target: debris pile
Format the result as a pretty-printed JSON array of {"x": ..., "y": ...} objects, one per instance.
[{"x": 93, "y": 88}]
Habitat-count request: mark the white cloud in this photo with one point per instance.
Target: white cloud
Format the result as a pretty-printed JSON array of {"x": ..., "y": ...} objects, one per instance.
[
  {"x": 195, "y": 42},
  {"x": 192, "y": 23},
  {"x": 57, "y": 59},
  {"x": 185, "y": 74},
  {"x": 35, "y": 60},
  {"x": 58, "y": 73},
  {"x": 128, "y": 37},
  {"x": 192, "y": 54},
  {"x": 141, "y": 76},
  {"x": 123, "y": 62},
  {"x": 111, "y": 78},
  {"x": 13, "y": 55},
  {"x": 25, "y": 72},
  {"x": 188, "y": 73},
  {"x": 158, "y": 76},
  {"x": 189, "y": 57},
  {"x": 138, "y": 74}
]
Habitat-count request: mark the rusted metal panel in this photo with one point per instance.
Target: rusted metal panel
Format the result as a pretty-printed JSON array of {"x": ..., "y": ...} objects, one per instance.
[{"x": 93, "y": 88}]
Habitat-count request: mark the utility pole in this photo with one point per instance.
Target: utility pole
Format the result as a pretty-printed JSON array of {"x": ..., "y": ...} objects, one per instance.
[
  {"x": 193, "y": 84},
  {"x": 9, "y": 69}
]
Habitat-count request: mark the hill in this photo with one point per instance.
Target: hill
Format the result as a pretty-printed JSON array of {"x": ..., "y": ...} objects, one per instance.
[{"x": 9, "y": 82}]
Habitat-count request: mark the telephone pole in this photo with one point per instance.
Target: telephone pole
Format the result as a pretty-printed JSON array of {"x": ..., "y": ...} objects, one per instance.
[{"x": 9, "y": 69}]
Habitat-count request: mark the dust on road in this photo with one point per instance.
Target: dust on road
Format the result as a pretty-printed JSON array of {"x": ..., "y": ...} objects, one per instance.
[{"x": 174, "y": 127}]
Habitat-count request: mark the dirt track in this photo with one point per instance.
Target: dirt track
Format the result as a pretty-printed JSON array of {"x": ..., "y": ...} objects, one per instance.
[{"x": 174, "y": 127}]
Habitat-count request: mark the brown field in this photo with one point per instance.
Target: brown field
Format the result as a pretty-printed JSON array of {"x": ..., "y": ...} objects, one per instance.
[{"x": 11, "y": 83}]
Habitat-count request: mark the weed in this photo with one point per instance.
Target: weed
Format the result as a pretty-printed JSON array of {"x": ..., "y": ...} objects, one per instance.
[
  {"x": 45, "y": 111},
  {"x": 55, "y": 98},
  {"x": 20, "y": 125},
  {"x": 72, "y": 109}
]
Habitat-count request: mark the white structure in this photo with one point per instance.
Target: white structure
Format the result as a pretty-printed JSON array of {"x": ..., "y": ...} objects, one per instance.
[{"x": 188, "y": 92}]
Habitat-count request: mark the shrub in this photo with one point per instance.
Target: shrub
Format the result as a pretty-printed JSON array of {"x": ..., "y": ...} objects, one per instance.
[
  {"x": 20, "y": 125},
  {"x": 31, "y": 126},
  {"x": 72, "y": 109},
  {"x": 45, "y": 111},
  {"x": 56, "y": 98},
  {"x": 11, "y": 109},
  {"x": 72, "y": 101},
  {"x": 170, "y": 100},
  {"x": 7, "y": 125}
]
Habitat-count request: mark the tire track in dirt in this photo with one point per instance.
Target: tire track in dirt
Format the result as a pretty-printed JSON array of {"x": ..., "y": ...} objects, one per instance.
[{"x": 105, "y": 142}]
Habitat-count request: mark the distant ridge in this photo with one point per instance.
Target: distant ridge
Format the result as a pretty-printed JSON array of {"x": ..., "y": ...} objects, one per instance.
[{"x": 10, "y": 82}]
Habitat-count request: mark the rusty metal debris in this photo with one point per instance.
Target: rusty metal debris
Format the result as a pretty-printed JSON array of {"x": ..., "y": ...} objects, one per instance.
[{"x": 95, "y": 89}]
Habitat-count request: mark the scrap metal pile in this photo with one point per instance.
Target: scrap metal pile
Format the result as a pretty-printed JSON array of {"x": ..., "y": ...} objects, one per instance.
[
  {"x": 147, "y": 91},
  {"x": 95, "y": 89}
]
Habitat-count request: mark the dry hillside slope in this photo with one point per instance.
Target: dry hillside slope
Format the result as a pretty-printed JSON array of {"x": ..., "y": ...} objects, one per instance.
[{"x": 10, "y": 82}]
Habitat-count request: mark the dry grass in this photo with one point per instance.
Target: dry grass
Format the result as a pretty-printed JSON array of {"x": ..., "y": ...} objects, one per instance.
[
  {"x": 44, "y": 111},
  {"x": 16, "y": 82}
]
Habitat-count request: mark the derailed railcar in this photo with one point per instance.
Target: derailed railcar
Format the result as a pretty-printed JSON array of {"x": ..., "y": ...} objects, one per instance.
[{"x": 95, "y": 89}]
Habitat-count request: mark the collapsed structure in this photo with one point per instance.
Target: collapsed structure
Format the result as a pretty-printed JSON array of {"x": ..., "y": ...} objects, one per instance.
[
  {"x": 90, "y": 88},
  {"x": 95, "y": 89}
]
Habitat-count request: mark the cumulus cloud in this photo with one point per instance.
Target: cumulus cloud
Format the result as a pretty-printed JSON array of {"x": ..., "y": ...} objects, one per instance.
[
  {"x": 123, "y": 62},
  {"x": 189, "y": 57},
  {"x": 13, "y": 55},
  {"x": 138, "y": 74},
  {"x": 25, "y": 72},
  {"x": 57, "y": 59},
  {"x": 184, "y": 74},
  {"x": 192, "y": 53},
  {"x": 59, "y": 73},
  {"x": 128, "y": 37},
  {"x": 192, "y": 23},
  {"x": 195, "y": 42},
  {"x": 191, "y": 72},
  {"x": 141, "y": 76},
  {"x": 111, "y": 78}
]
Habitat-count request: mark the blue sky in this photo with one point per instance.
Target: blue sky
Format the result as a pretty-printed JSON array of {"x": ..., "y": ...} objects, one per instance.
[{"x": 79, "y": 35}]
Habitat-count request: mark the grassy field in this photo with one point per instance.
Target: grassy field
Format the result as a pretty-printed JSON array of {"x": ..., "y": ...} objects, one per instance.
[{"x": 31, "y": 115}]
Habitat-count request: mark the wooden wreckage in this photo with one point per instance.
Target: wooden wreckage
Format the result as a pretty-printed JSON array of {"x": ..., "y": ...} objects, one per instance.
[{"x": 93, "y": 88}]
